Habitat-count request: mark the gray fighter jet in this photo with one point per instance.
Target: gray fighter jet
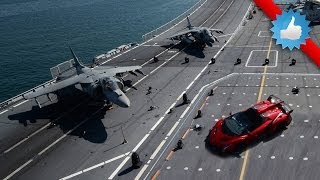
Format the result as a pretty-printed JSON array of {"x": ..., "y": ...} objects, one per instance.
[
  {"x": 202, "y": 35},
  {"x": 98, "y": 81},
  {"x": 309, "y": 8}
]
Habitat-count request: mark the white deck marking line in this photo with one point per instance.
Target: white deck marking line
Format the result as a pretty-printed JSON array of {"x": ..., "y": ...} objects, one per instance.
[
  {"x": 157, "y": 35},
  {"x": 14, "y": 146},
  {"x": 36, "y": 132},
  {"x": 248, "y": 46},
  {"x": 141, "y": 172},
  {"x": 119, "y": 167},
  {"x": 21, "y": 103},
  {"x": 281, "y": 74},
  {"x": 184, "y": 113},
  {"x": 217, "y": 54},
  {"x": 225, "y": 35},
  {"x": 173, "y": 128},
  {"x": 157, "y": 123},
  {"x": 48, "y": 147},
  {"x": 144, "y": 77},
  {"x": 276, "y": 60},
  {"x": 62, "y": 137},
  {"x": 3, "y": 111},
  {"x": 140, "y": 143},
  {"x": 108, "y": 61},
  {"x": 259, "y": 34},
  {"x": 179, "y": 16},
  {"x": 158, "y": 55},
  {"x": 196, "y": 98},
  {"x": 94, "y": 167},
  {"x": 17, "y": 170},
  {"x": 122, "y": 164},
  {"x": 214, "y": 13},
  {"x": 151, "y": 45},
  {"x": 215, "y": 82},
  {"x": 55, "y": 142},
  {"x": 26, "y": 138},
  {"x": 225, "y": 11},
  {"x": 73, "y": 175},
  {"x": 157, "y": 150}
]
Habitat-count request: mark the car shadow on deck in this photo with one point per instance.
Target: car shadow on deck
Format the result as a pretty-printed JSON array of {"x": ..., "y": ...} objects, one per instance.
[{"x": 217, "y": 152}]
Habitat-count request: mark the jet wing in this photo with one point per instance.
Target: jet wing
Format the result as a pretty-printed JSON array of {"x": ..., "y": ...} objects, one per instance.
[
  {"x": 82, "y": 78},
  {"x": 178, "y": 35},
  {"x": 112, "y": 71}
]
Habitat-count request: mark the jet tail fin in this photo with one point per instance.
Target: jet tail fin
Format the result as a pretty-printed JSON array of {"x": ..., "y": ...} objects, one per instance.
[
  {"x": 77, "y": 63},
  {"x": 189, "y": 23}
]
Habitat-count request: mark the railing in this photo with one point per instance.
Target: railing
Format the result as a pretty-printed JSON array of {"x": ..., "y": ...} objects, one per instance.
[
  {"x": 171, "y": 23},
  {"x": 100, "y": 58},
  {"x": 19, "y": 98},
  {"x": 54, "y": 71}
]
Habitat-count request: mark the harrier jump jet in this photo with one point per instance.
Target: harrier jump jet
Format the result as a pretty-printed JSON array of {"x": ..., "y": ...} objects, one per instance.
[
  {"x": 309, "y": 8},
  {"x": 99, "y": 81},
  {"x": 201, "y": 35}
]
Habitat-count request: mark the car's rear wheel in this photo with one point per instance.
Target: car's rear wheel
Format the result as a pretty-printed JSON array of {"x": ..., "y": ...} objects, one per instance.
[{"x": 282, "y": 126}]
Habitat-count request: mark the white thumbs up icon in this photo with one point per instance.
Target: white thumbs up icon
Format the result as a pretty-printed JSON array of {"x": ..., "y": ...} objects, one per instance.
[{"x": 292, "y": 32}]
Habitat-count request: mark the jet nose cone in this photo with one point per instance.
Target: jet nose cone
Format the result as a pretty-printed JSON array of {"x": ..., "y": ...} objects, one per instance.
[
  {"x": 123, "y": 101},
  {"x": 212, "y": 40},
  {"x": 209, "y": 43},
  {"x": 118, "y": 97}
]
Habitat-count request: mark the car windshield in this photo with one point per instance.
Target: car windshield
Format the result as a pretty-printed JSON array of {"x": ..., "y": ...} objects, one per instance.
[{"x": 242, "y": 122}]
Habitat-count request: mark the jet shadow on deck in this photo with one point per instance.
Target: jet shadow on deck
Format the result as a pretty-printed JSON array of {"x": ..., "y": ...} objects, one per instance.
[
  {"x": 65, "y": 115},
  {"x": 192, "y": 50}
]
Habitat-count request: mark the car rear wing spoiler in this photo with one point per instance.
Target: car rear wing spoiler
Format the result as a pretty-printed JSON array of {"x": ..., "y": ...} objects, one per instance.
[
  {"x": 275, "y": 100},
  {"x": 287, "y": 109}
]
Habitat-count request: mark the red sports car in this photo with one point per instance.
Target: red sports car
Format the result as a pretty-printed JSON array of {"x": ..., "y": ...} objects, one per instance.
[{"x": 238, "y": 130}]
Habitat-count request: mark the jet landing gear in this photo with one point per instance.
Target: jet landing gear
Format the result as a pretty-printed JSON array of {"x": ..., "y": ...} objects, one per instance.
[
  {"x": 108, "y": 105},
  {"x": 201, "y": 45},
  {"x": 101, "y": 104}
]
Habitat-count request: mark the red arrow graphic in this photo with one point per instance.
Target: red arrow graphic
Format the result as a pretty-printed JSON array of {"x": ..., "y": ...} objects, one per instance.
[{"x": 272, "y": 10}]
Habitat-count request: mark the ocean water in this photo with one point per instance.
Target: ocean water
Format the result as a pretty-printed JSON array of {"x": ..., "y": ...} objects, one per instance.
[{"x": 35, "y": 34}]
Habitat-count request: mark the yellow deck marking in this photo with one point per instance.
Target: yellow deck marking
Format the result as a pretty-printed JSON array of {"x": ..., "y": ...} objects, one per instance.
[
  {"x": 204, "y": 103},
  {"x": 185, "y": 134},
  {"x": 169, "y": 155},
  {"x": 245, "y": 160},
  {"x": 269, "y": 50},
  {"x": 154, "y": 177}
]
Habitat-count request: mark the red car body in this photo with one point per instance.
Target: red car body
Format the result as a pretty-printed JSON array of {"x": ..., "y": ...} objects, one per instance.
[{"x": 238, "y": 130}]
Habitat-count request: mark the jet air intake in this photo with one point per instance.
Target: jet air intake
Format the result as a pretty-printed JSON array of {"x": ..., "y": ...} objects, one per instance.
[{"x": 113, "y": 93}]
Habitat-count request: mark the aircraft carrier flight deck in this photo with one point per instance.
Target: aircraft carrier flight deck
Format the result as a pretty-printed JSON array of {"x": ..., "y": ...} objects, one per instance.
[{"x": 77, "y": 139}]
